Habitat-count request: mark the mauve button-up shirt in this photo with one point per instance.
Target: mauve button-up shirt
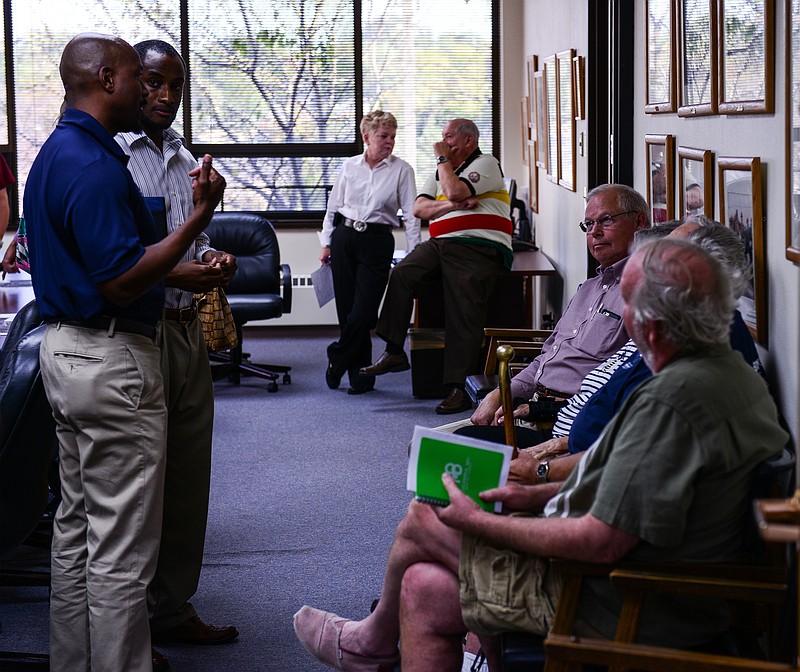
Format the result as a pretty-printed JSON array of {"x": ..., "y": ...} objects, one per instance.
[{"x": 590, "y": 331}]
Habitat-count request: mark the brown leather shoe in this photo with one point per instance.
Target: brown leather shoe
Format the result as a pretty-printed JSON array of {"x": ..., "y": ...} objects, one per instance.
[
  {"x": 387, "y": 364},
  {"x": 194, "y": 631},
  {"x": 458, "y": 400},
  {"x": 160, "y": 662}
]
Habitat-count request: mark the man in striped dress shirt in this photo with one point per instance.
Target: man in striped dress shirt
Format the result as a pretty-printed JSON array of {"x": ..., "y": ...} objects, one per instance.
[{"x": 159, "y": 164}]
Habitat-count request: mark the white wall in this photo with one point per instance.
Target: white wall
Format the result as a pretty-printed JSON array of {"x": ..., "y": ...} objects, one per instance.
[
  {"x": 764, "y": 136},
  {"x": 547, "y": 31},
  {"x": 300, "y": 249}
]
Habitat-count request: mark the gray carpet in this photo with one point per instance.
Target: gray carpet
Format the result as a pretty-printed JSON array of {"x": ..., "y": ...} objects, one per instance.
[{"x": 308, "y": 486}]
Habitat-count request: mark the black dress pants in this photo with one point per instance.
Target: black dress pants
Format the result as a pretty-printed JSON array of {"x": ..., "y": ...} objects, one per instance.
[
  {"x": 467, "y": 273},
  {"x": 360, "y": 262}
]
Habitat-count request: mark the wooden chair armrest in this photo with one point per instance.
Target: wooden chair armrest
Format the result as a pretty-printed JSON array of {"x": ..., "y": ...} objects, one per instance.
[
  {"x": 583, "y": 568},
  {"x": 567, "y": 649},
  {"x": 745, "y": 588}
]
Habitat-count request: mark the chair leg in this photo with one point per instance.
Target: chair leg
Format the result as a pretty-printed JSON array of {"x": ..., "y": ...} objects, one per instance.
[{"x": 234, "y": 364}]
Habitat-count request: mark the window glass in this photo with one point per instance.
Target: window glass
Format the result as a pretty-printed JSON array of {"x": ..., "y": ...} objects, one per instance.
[
  {"x": 427, "y": 63},
  {"x": 274, "y": 92},
  {"x": 41, "y": 30},
  {"x": 278, "y": 72},
  {"x": 283, "y": 184},
  {"x": 3, "y": 93}
]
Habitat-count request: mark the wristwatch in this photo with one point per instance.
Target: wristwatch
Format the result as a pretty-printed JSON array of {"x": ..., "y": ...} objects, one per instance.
[
  {"x": 441, "y": 159},
  {"x": 543, "y": 471}
]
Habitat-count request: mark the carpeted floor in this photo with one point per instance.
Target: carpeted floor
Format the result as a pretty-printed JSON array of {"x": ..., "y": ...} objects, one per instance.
[{"x": 308, "y": 485}]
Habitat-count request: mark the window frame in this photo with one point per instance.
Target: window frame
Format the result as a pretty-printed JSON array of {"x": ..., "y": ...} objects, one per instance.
[{"x": 292, "y": 219}]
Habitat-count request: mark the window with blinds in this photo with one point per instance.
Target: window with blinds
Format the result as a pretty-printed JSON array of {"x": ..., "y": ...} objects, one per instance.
[{"x": 277, "y": 88}]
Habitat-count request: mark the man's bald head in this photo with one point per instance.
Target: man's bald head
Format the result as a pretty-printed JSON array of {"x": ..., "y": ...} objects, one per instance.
[
  {"x": 102, "y": 76},
  {"x": 84, "y": 57}
]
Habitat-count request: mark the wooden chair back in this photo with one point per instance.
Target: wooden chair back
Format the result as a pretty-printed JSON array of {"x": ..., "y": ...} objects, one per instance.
[
  {"x": 527, "y": 344},
  {"x": 765, "y": 589}
]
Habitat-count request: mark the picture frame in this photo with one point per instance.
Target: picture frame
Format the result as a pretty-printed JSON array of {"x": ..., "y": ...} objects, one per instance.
[
  {"x": 660, "y": 163},
  {"x": 697, "y": 82},
  {"x": 578, "y": 76},
  {"x": 550, "y": 83},
  {"x": 533, "y": 182},
  {"x": 793, "y": 131},
  {"x": 661, "y": 66},
  {"x": 566, "y": 119},
  {"x": 695, "y": 182},
  {"x": 532, "y": 65},
  {"x": 746, "y": 56},
  {"x": 741, "y": 209},
  {"x": 540, "y": 120},
  {"x": 525, "y": 129}
]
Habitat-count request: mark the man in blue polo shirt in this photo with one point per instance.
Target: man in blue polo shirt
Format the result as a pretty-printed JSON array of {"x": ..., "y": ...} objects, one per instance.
[{"x": 97, "y": 274}]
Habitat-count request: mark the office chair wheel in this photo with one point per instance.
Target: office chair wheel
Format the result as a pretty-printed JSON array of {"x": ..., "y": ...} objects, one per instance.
[
  {"x": 287, "y": 379},
  {"x": 272, "y": 387}
]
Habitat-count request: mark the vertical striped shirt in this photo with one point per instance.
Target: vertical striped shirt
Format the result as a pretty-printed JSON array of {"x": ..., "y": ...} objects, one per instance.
[{"x": 166, "y": 175}]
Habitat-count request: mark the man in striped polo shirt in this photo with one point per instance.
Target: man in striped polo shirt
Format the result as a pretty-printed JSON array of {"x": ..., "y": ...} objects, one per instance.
[{"x": 467, "y": 205}]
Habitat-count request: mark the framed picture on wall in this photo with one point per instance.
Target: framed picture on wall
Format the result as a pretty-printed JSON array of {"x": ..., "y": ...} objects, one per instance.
[
  {"x": 550, "y": 81},
  {"x": 540, "y": 120},
  {"x": 566, "y": 120},
  {"x": 660, "y": 164},
  {"x": 532, "y": 65},
  {"x": 578, "y": 76},
  {"x": 746, "y": 56},
  {"x": 695, "y": 182},
  {"x": 533, "y": 183},
  {"x": 793, "y": 130},
  {"x": 525, "y": 129},
  {"x": 741, "y": 209},
  {"x": 660, "y": 76},
  {"x": 697, "y": 33}
]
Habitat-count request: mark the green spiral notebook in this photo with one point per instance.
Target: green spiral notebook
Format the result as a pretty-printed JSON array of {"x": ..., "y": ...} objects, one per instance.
[{"x": 475, "y": 466}]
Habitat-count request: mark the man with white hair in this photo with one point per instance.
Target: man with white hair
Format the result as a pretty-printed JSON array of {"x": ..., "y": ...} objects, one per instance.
[{"x": 697, "y": 430}]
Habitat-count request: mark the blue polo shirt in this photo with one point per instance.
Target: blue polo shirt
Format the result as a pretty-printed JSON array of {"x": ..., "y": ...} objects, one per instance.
[{"x": 87, "y": 223}]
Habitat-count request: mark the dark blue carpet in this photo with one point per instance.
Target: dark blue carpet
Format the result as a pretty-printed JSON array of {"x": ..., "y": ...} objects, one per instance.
[{"x": 308, "y": 486}]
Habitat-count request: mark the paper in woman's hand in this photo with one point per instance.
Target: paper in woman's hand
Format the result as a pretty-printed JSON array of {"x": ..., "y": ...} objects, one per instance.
[{"x": 322, "y": 281}]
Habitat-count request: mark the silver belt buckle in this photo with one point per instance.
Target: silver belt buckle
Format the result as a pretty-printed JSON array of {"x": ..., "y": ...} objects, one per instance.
[{"x": 360, "y": 226}]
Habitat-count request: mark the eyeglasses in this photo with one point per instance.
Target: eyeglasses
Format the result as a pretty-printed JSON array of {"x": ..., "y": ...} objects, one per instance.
[{"x": 606, "y": 222}]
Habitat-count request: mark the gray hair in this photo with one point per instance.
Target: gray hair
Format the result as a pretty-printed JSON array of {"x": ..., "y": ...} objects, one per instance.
[
  {"x": 467, "y": 127},
  {"x": 726, "y": 247},
  {"x": 654, "y": 232},
  {"x": 374, "y": 120},
  {"x": 686, "y": 291},
  {"x": 628, "y": 199}
]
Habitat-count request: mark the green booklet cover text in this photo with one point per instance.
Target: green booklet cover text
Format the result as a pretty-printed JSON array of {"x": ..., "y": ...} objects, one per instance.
[{"x": 475, "y": 466}]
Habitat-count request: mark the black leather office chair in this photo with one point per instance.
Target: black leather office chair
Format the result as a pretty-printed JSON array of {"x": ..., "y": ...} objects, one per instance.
[
  {"x": 26, "y": 319},
  {"x": 28, "y": 449},
  {"x": 27, "y": 432},
  {"x": 260, "y": 290}
]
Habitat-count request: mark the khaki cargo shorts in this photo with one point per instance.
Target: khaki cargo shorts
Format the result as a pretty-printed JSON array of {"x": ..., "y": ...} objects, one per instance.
[{"x": 503, "y": 590}]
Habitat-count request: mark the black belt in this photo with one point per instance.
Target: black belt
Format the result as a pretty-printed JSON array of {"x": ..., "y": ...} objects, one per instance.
[
  {"x": 369, "y": 227},
  {"x": 186, "y": 314},
  {"x": 543, "y": 393},
  {"x": 119, "y": 324}
]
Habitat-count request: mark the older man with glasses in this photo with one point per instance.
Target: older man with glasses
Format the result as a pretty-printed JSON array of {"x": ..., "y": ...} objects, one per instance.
[{"x": 591, "y": 328}]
